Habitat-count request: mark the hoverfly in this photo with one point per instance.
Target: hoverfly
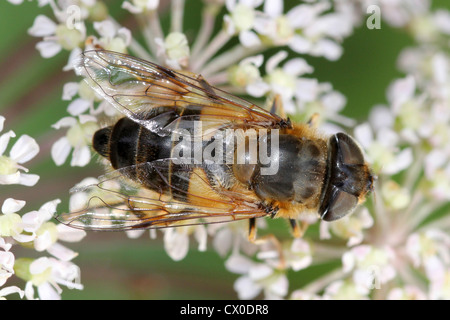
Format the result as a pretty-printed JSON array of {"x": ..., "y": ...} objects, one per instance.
[{"x": 327, "y": 176}]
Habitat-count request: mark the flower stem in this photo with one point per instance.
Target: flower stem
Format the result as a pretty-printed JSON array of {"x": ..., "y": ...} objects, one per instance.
[
  {"x": 151, "y": 28},
  {"x": 380, "y": 215},
  {"x": 442, "y": 223},
  {"x": 208, "y": 19},
  {"x": 422, "y": 213},
  {"x": 216, "y": 43},
  {"x": 135, "y": 46},
  {"x": 218, "y": 78},
  {"x": 414, "y": 171},
  {"x": 177, "y": 16},
  {"x": 230, "y": 57},
  {"x": 320, "y": 283},
  {"x": 326, "y": 253}
]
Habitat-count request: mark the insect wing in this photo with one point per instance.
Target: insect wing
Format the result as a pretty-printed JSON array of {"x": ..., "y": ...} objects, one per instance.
[
  {"x": 117, "y": 203},
  {"x": 136, "y": 86}
]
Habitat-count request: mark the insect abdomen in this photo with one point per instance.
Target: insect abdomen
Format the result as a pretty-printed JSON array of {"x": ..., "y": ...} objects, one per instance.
[{"x": 129, "y": 146}]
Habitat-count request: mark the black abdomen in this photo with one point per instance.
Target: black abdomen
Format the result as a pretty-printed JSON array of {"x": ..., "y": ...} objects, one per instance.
[{"x": 131, "y": 148}]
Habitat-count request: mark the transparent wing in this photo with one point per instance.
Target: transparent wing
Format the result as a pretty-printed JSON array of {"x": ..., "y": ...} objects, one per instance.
[
  {"x": 136, "y": 86},
  {"x": 118, "y": 203}
]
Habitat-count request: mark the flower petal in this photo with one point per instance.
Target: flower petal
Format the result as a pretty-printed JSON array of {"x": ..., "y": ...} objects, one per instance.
[
  {"x": 273, "y": 8},
  {"x": 61, "y": 252},
  {"x": 69, "y": 234},
  {"x": 42, "y": 27},
  {"x": 328, "y": 49},
  {"x": 48, "y": 49},
  {"x": 297, "y": 66},
  {"x": 48, "y": 292},
  {"x": 105, "y": 28},
  {"x": 11, "y": 289},
  {"x": 24, "y": 149},
  {"x": 28, "y": 180},
  {"x": 10, "y": 178},
  {"x": 2, "y": 121},
  {"x": 4, "y": 140},
  {"x": 73, "y": 57},
  {"x": 70, "y": 89},
  {"x": 81, "y": 156},
  {"x": 238, "y": 263},
  {"x": 60, "y": 150},
  {"x": 273, "y": 61},
  {"x": 132, "y": 8},
  {"x": 300, "y": 44},
  {"x": 78, "y": 106},
  {"x": 11, "y": 205},
  {"x": 249, "y": 39},
  {"x": 246, "y": 288},
  {"x": 65, "y": 122},
  {"x": 176, "y": 244}
]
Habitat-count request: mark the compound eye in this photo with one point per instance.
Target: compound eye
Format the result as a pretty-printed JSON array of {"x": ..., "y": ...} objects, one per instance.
[
  {"x": 348, "y": 150},
  {"x": 338, "y": 205}
]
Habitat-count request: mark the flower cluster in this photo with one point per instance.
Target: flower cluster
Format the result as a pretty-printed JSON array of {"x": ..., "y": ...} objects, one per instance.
[
  {"x": 389, "y": 249},
  {"x": 33, "y": 230}
]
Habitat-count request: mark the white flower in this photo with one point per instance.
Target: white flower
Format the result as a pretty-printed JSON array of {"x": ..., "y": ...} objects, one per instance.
[
  {"x": 22, "y": 151},
  {"x": 284, "y": 80},
  {"x": 383, "y": 151},
  {"x": 256, "y": 277},
  {"x": 395, "y": 196},
  {"x": 304, "y": 29},
  {"x": 86, "y": 100},
  {"x": 56, "y": 36},
  {"x": 140, "y": 6},
  {"x": 175, "y": 50},
  {"x": 10, "y": 290},
  {"x": 16, "y": 2},
  {"x": 78, "y": 136},
  {"x": 241, "y": 20},
  {"x": 350, "y": 227},
  {"x": 430, "y": 244},
  {"x": 111, "y": 37},
  {"x": 6, "y": 262},
  {"x": 176, "y": 240},
  {"x": 400, "y": 92},
  {"x": 344, "y": 290},
  {"x": 10, "y": 221},
  {"x": 82, "y": 193},
  {"x": 370, "y": 266},
  {"x": 47, "y": 274},
  {"x": 46, "y": 233},
  {"x": 409, "y": 292},
  {"x": 296, "y": 255},
  {"x": 246, "y": 74}
]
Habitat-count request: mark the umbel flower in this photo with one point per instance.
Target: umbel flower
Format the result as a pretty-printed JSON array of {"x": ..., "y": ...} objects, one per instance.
[{"x": 396, "y": 246}]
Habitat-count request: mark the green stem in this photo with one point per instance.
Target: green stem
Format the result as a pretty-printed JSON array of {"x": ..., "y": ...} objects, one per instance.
[
  {"x": 215, "y": 45},
  {"x": 229, "y": 58},
  {"x": 177, "y": 16}
]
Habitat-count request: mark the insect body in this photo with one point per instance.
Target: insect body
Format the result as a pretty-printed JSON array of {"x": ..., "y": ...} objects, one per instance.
[{"x": 188, "y": 153}]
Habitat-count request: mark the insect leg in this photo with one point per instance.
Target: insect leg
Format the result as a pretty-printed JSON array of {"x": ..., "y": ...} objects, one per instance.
[
  {"x": 298, "y": 228},
  {"x": 277, "y": 106},
  {"x": 268, "y": 240},
  {"x": 252, "y": 230},
  {"x": 314, "y": 120}
]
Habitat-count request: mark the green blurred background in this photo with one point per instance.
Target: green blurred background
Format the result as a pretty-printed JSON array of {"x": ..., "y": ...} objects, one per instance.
[{"x": 112, "y": 265}]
